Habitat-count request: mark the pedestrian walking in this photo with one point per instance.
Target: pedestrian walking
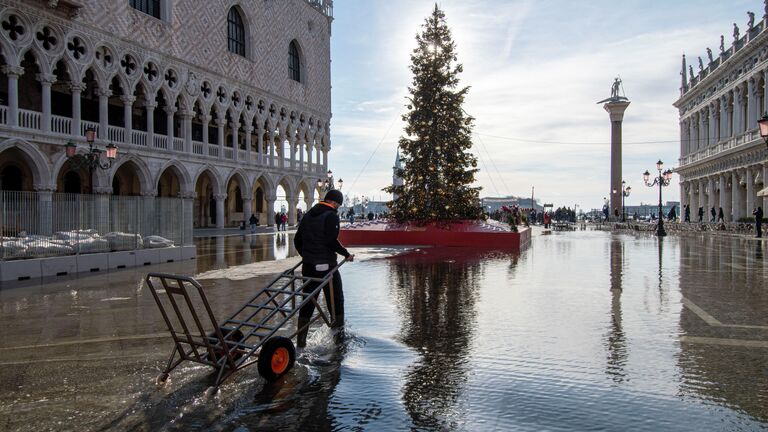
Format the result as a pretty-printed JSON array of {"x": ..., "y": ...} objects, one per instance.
[
  {"x": 720, "y": 215},
  {"x": 701, "y": 214},
  {"x": 714, "y": 214},
  {"x": 687, "y": 213},
  {"x": 758, "y": 213},
  {"x": 318, "y": 244},
  {"x": 277, "y": 221},
  {"x": 253, "y": 221},
  {"x": 672, "y": 215},
  {"x": 283, "y": 220}
]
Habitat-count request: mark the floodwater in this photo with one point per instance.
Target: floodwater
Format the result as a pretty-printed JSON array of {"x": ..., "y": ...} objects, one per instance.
[{"x": 582, "y": 331}]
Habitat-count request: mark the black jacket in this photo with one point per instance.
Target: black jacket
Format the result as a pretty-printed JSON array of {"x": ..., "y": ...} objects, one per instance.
[{"x": 316, "y": 239}]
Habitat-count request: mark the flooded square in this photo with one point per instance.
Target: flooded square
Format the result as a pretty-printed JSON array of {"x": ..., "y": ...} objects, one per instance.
[{"x": 583, "y": 330}]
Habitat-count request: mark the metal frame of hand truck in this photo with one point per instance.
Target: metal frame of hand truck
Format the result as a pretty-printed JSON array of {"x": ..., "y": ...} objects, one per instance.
[{"x": 213, "y": 343}]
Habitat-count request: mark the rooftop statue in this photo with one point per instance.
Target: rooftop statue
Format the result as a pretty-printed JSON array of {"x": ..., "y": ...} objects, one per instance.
[
  {"x": 690, "y": 71},
  {"x": 709, "y": 54},
  {"x": 735, "y": 33},
  {"x": 701, "y": 64},
  {"x": 615, "y": 89},
  {"x": 751, "y": 22},
  {"x": 722, "y": 43}
]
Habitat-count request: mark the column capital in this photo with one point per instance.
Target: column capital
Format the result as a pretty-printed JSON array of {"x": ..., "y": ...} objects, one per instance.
[
  {"x": 102, "y": 190},
  {"x": 149, "y": 194},
  {"x": 104, "y": 92},
  {"x": 221, "y": 122},
  {"x": 248, "y": 128},
  {"x": 15, "y": 71},
  {"x": 77, "y": 87},
  {"x": 170, "y": 110},
  {"x": 187, "y": 195},
  {"x": 185, "y": 113},
  {"x": 46, "y": 79},
  {"x": 206, "y": 118},
  {"x": 128, "y": 99},
  {"x": 44, "y": 188},
  {"x": 219, "y": 197},
  {"x": 150, "y": 104}
]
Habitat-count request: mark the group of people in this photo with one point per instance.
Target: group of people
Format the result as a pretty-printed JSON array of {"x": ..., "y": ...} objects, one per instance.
[
  {"x": 719, "y": 216},
  {"x": 281, "y": 221}
]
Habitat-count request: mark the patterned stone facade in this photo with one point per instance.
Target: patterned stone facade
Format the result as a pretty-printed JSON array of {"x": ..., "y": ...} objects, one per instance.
[
  {"x": 190, "y": 118},
  {"x": 723, "y": 159}
]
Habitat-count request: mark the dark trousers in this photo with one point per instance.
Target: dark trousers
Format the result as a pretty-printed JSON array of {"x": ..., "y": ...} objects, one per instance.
[
  {"x": 759, "y": 229},
  {"x": 338, "y": 295}
]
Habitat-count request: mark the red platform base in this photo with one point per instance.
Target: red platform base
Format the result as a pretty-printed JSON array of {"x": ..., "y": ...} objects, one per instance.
[{"x": 459, "y": 233}]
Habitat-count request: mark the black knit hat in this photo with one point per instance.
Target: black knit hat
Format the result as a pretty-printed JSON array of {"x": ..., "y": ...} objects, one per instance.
[{"x": 335, "y": 196}]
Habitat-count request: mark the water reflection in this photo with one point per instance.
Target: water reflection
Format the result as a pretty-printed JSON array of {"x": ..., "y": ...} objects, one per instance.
[
  {"x": 725, "y": 327},
  {"x": 615, "y": 339},
  {"x": 436, "y": 292}
]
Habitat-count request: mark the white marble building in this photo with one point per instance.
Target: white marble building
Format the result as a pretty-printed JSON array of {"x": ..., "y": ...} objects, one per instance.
[
  {"x": 216, "y": 102},
  {"x": 723, "y": 160}
]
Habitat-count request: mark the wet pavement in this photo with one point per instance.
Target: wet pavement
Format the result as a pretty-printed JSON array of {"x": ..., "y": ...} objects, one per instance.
[{"x": 584, "y": 330}]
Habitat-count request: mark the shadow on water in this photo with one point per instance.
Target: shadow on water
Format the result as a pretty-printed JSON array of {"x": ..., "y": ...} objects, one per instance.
[{"x": 436, "y": 292}]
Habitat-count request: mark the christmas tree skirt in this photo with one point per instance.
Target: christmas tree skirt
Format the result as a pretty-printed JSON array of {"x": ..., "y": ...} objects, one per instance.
[{"x": 455, "y": 233}]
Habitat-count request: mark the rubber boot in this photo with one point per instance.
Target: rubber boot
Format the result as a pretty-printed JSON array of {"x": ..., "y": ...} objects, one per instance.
[{"x": 301, "y": 336}]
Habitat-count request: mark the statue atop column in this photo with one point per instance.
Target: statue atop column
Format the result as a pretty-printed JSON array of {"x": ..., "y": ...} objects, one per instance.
[
  {"x": 722, "y": 43},
  {"x": 709, "y": 55},
  {"x": 615, "y": 89},
  {"x": 735, "y": 33},
  {"x": 751, "y": 22},
  {"x": 701, "y": 65}
]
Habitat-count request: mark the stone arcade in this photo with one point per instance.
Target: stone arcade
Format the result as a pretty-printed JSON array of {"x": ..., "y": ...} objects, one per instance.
[
  {"x": 217, "y": 103},
  {"x": 723, "y": 160}
]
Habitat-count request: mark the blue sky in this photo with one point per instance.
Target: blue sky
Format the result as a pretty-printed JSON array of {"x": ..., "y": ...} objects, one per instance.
[{"x": 536, "y": 70}]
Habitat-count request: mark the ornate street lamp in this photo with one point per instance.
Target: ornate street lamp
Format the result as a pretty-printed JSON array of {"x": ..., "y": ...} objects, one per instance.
[
  {"x": 92, "y": 159},
  {"x": 763, "y": 124},
  {"x": 662, "y": 180},
  {"x": 625, "y": 191},
  {"x": 327, "y": 184}
]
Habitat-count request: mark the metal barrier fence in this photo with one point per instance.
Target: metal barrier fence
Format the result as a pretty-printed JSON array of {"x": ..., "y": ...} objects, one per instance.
[{"x": 44, "y": 224}]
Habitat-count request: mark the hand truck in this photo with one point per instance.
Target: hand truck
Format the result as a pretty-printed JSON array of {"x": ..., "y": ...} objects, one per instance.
[{"x": 250, "y": 335}]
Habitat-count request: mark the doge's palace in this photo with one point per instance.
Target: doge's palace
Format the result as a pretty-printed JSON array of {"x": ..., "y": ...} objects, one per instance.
[{"x": 220, "y": 103}]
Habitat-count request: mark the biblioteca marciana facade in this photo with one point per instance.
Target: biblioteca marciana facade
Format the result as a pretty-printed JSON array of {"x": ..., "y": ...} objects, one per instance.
[
  {"x": 723, "y": 159},
  {"x": 219, "y": 104}
]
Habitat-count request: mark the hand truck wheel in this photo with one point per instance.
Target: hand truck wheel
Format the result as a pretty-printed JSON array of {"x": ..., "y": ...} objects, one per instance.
[
  {"x": 276, "y": 358},
  {"x": 161, "y": 379}
]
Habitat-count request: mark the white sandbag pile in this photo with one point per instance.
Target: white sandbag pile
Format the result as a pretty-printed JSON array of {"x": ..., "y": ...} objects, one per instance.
[
  {"x": 120, "y": 241},
  {"x": 43, "y": 246},
  {"x": 11, "y": 248},
  {"x": 153, "y": 241}
]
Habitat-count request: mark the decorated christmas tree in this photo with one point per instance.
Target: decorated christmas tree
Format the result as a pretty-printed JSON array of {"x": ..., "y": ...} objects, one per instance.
[{"x": 438, "y": 169}]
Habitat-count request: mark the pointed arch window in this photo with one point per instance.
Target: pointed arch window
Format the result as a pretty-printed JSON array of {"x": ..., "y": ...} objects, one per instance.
[
  {"x": 235, "y": 32},
  {"x": 149, "y": 7},
  {"x": 294, "y": 61}
]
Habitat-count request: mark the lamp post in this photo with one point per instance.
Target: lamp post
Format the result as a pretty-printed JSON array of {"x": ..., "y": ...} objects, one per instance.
[
  {"x": 662, "y": 180},
  {"x": 92, "y": 159},
  {"x": 763, "y": 124},
  {"x": 625, "y": 191},
  {"x": 327, "y": 184}
]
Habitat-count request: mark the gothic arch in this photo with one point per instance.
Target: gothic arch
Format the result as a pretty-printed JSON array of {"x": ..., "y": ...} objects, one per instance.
[
  {"x": 37, "y": 162},
  {"x": 213, "y": 173},
  {"x": 181, "y": 172},
  {"x": 144, "y": 174}
]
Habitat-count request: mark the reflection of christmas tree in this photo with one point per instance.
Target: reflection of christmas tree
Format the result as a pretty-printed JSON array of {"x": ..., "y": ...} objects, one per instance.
[{"x": 438, "y": 169}]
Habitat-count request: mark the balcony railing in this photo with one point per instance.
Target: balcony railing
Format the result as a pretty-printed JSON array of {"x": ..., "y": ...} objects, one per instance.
[
  {"x": 744, "y": 139},
  {"x": 61, "y": 126}
]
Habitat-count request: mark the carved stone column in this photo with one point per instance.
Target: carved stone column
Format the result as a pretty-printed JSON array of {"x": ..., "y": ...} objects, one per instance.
[
  {"x": 248, "y": 143},
  {"x": 750, "y": 179},
  {"x": 723, "y": 204},
  {"x": 102, "y": 218},
  {"x": 44, "y": 210},
  {"x": 188, "y": 207},
  {"x": 169, "y": 112},
  {"x": 235, "y": 144},
  {"x": 702, "y": 199},
  {"x": 247, "y": 210},
  {"x": 293, "y": 202},
  {"x": 724, "y": 130},
  {"x": 13, "y": 73},
  {"x": 77, "y": 90},
  {"x": 738, "y": 102},
  {"x": 270, "y": 197},
  {"x": 735, "y": 197},
  {"x": 128, "y": 101},
  {"x": 46, "y": 81},
  {"x": 186, "y": 128},
  {"x": 150, "y": 106},
  {"x": 221, "y": 122},
  {"x": 714, "y": 129},
  {"x": 104, "y": 95},
  {"x": 206, "y": 121},
  {"x": 259, "y": 146},
  {"x": 220, "y": 223}
]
